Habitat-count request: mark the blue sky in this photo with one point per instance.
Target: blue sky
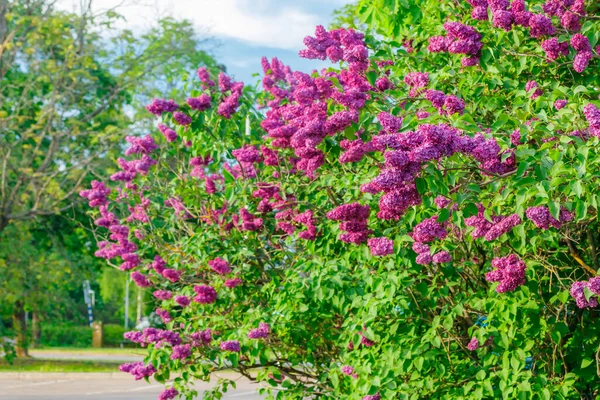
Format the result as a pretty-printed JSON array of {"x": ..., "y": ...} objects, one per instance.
[{"x": 245, "y": 30}]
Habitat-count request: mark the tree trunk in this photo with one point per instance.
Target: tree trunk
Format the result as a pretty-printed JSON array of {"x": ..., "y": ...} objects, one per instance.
[
  {"x": 20, "y": 327},
  {"x": 36, "y": 329}
]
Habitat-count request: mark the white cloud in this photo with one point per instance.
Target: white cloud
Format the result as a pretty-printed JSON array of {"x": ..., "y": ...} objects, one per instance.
[{"x": 273, "y": 23}]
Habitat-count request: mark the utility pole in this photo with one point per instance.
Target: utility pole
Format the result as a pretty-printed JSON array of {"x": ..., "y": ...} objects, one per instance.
[
  {"x": 126, "y": 301},
  {"x": 88, "y": 295},
  {"x": 139, "y": 306}
]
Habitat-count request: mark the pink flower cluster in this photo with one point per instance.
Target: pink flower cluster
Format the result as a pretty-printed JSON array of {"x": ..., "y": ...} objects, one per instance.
[
  {"x": 460, "y": 39},
  {"x": 473, "y": 344},
  {"x": 509, "y": 271},
  {"x": 353, "y": 219},
  {"x": 97, "y": 195},
  {"x": 138, "y": 369},
  {"x": 302, "y": 123},
  {"x": 581, "y": 44},
  {"x": 381, "y": 246},
  {"x": 533, "y": 85},
  {"x": 494, "y": 229},
  {"x": 231, "y": 345},
  {"x": 160, "y": 106},
  {"x": 262, "y": 331},
  {"x": 220, "y": 266},
  {"x": 417, "y": 82},
  {"x": 542, "y": 218},
  {"x": 592, "y": 115},
  {"x": 168, "y": 394},
  {"x": 153, "y": 335},
  {"x": 445, "y": 104},
  {"x": 308, "y": 220},
  {"x": 205, "y": 294},
  {"x": 349, "y": 370},
  {"x": 578, "y": 292}
]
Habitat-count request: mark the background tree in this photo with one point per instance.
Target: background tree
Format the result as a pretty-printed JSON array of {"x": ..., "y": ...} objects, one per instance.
[{"x": 71, "y": 84}]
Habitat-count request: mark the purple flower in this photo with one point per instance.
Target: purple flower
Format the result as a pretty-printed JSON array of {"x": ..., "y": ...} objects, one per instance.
[
  {"x": 205, "y": 294},
  {"x": 442, "y": 257},
  {"x": 169, "y": 134},
  {"x": 183, "y": 301},
  {"x": 261, "y": 332},
  {"x": 429, "y": 230},
  {"x": 541, "y": 26},
  {"x": 181, "y": 351},
  {"x": 348, "y": 370},
  {"x": 473, "y": 344},
  {"x": 381, "y": 246},
  {"x": 578, "y": 293},
  {"x": 204, "y": 77},
  {"x": 200, "y": 103},
  {"x": 220, "y": 266},
  {"x": 140, "y": 279},
  {"x": 375, "y": 396},
  {"x": 182, "y": 119},
  {"x": 163, "y": 294},
  {"x": 164, "y": 315},
  {"x": 559, "y": 104},
  {"x": 231, "y": 283},
  {"x": 510, "y": 272},
  {"x": 542, "y": 218},
  {"x": 168, "y": 394},
  {"x": 554, "y": 49},
  {"x": 231, "y": 345},
  {"x": 159, "y": 106},
  {"x": 424, "y": 259},
  {"x": 502, "y": 227}
]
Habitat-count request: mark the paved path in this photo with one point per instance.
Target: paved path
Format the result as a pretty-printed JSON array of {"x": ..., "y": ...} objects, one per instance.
[{"x": 69, "y": 387}]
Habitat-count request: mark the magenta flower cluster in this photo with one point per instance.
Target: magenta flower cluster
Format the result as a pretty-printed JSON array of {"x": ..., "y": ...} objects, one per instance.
[
  {"x": 592, "y": 115},
  {"x": 353, "y": 219},
  {"x": 542, "y": 218},
  {"x": 578, "y": 292},
  {"x": 261, "y": 332},
  {"x": 381, "y": 246},
  {"x": 138, "y": 369},
  {"x": 509, "y": 272},
  {"x": 231, "y": 345},
  {"x": 459, "y": 39},
  {"x": 220, "y": 266}
]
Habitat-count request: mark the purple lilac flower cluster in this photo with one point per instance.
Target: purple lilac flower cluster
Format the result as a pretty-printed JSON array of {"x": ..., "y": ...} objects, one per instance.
[
  {"x": 138, "y": 369},
  {"x": 491, "y": 230},
  {"x": 302, "y": 122},
  {"x": 578, "y": 292},
  {"x": 417, "y": 81},
  {"x": 262, "y": 331},
  {"x": 231, "y": 345},
  {"x": 308, "y": 220},
  {"x": 509, "y": 271},
  {"x": 581, "y": 44},
  {"x": 168, "y": 394},
  {"x": 473, "y": 344},
  {"x": 153, "y": 335},
  {"x": 592, "y": 115},
  {"x": 381, "y": 246},
  {"x": 349, "y": 370},
  {"x": 205, "y": 294},
  {"x": 542, "y": 218},
  {"x": 160, "y": 106},
  {"x": 353, "y": 219},
  {"x": 533, "y": 85},
  {"x": 459, "y": 39},
  {"x": 220, "y": 266}
]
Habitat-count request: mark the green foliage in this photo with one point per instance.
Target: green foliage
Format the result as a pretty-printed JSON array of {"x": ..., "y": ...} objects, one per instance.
[
  {"x": 66, "y": 336},
  {"x": 113, "y": 335}
]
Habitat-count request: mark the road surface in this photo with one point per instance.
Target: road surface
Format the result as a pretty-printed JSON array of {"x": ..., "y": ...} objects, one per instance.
[{"x": 71, "y": 388}]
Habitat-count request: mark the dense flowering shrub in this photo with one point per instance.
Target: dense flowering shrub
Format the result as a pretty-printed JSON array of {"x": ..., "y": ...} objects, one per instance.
[{"x": 404, "y": 224}]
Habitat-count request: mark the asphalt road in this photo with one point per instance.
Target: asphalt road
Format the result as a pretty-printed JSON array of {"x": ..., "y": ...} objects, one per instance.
[{"x": 104, "y": 389}]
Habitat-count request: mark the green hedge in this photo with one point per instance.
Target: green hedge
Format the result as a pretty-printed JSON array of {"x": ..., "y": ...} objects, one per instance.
[
  {"x": 113, "y": 336},
  {"x": 66, "y": 336}
]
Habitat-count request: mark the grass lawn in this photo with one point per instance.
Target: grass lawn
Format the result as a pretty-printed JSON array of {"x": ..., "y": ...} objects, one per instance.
[
  {"x": 37, "y": 365},
  {"x": 92, "y": 351}
]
